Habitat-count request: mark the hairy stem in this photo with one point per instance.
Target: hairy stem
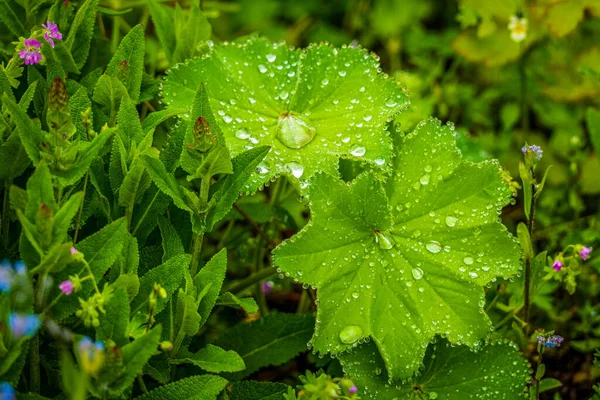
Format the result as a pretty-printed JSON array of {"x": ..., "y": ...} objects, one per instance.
[
  {"x": 197, "y": 247},
  {"x": 527, "y": 286}
]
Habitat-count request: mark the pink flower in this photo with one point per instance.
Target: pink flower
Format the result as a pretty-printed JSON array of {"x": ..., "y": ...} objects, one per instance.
[
  {"x": 51, "y": 32},
  {"x": 266, "y": 286},
  {"x": 66, "y": 287},
  {"x": 73, "y": 251},
  {"x": 31, "y": 53},
  {"x": 557, "y": 266},
  {"x": 585, "y": 252},
  {"x": 353, "y": 389}
]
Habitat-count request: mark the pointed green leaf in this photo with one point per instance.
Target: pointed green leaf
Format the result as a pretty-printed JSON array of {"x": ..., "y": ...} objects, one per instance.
[
  {"x": 134, "y": 185},
  {"x": 424, "y": 254},
  {"x": 64, "y": 217},
  {"x": 497, "y": 371},
  {"x": 312, "y": 106},
  {"x": 168, "y": 275},
  {"x": 248, "y": 304},
  {"x": 214, "y": 359},
  {"x": 79, "y": 38},
  {"x": 165, "y": 181},
  {"x": 13, "y": 158},
  {"x": 10, "y": 19},
  {"x": 190, "y": 33},
  {"x": 135, "y": 356},
  {"x": 31, "y": 134},
  {"x": 271, "y": 340},
  {"x": 251, "y": 390},
  {"x": 211, "y": 275},
  {"x": 128, "y": 62},
  {"x": 162, "y": 16},
  {"x": 113, "y": 323},
  {"x": 129, "y": 125},
  {"x": 203, "y": 387},
  {"x": 108, "y": 92},
  {"x": 171, "y": 242}
]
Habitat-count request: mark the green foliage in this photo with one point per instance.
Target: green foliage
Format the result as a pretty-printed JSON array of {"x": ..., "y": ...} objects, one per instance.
[
  {"x": 201, "y": 387},
  {"x": 435, "y": 237}
]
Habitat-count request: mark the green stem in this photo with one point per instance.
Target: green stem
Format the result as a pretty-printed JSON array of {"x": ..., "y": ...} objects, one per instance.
[
  {"x": 527, "y": 286},
  {"x": 245, "y": 283},
  {"x": 304, "y": 304},
  {"x": 85, "y": 182},
  {"x": 197, "y": 248},
  {"x": 6, "y": 213},
  {"x": 196, "y": 254},
  {"x": 142, "y": 384},
  {"x": 524, "y": 106},
  {"x": 259, "y": 265}
]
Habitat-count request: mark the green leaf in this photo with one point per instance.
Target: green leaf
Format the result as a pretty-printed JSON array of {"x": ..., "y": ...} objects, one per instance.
[
  {"x": 5, "y": 86},
  {"x": 135, "y": 356},
  {"x": 128, "y": 62},
  {"x": 312, "y": 106},
  {"x": 497, "y": 371},
  {"x": 113, "y": 324},
  {"x": 202, "y": 387},
  {"x": 187, "y": 319},
  {"x": 162, "y": 17},
  {"x": 79, "y": 39},
  {"x": 165, "y": 181},
  {"x": 248, "y": 304},
  {"x": 190, "y": 33},
  {"x": 525, "y": 240},
  {"x": 549, "y": 384},
  {"x": 251, "y": 390},
  {"x": 64, "y": 216},
  {"x": 10, "y": 19},
  {"x": 168, "y": 275},
  {"x": 31, "y": 134},
  {"x": 214, "y": 359},
  {"x": 134, "y": 185},
  {"x": 171, "y": 242},
  {"x": 130, "y": 127},
  {"x": 118, "y": 166},
  {"x": 73, "y": 379},
  {"x": 13, "y": 157},
  {"x": 27, "y": 97},
  {"x": 211, "y": 275},
  {"x": 423, "y": 249},
  {"x": 78, "y": 104},
  {"x": 228, "y": 190},
  {"x": 271, "y": 340},
  {"x": 109, "y": 91},
  {"x": 527, "y": 192},
  {"x": 158, "y": 117}
]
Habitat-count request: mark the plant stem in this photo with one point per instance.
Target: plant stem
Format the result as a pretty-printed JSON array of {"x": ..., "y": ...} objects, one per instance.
[
  {"x": 6, "y": 213},
  {"x": 85, "y": 182},
  {"x": 34, "y": 364},
  {"x": 527, "y": 286},
  {"x": 251, "y": 280},
  {"x": 256, "y": 227},
  {"x": 197, "y": 249},
  {"x": 260, "y": 295},
  {"x": 142, "y": 384}
]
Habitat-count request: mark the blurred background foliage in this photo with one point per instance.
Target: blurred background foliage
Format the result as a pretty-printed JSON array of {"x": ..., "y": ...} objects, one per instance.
[{"x": 459, "y": 63}]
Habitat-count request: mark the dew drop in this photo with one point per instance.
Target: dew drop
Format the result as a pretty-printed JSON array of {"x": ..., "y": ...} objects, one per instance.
[
  {"x": 350, "y": 334},
  {"x": 355, "y": 295},
  {"x": 293, "y": 131},
  {"x": 417, "y": 273},
  {"x": 451, "y": 221},
  {"x": 295, "y": 169},
  {"x": 325, "y": 82},
  {"x": 380, "y": 161},
  {"x": 358, "y": 151},
  {"x": 433, "y": 246},
  {"x": 424, "y": 179},
  {"x": 242, "y": 133},
  {"x": 385, "y": 240},
  {"x": 271, "y": 57},
  {"x": 262, "y": 169},
  {"x": 262, "y": 69},
  {"x": 468, "y": 260},
  {"x": 390, "y": 102}
]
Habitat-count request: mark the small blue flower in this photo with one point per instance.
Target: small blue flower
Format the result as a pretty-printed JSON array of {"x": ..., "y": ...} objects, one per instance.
[
  {"x": 23, "y": 325},
  {"x": 534, "y": 150},
  {"x": 6, "y": 391},
  {"x": 550, "y": 341},
  {"x": 7, "y": 272},
  {"x": 91, "y": 355}
]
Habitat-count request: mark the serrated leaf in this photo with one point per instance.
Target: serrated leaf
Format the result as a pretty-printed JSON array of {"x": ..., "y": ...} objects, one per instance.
[
  {"x": 497, "y": 371},
  {"x": 271, "y": 340},
  {"x": 13, "y": 158},
  {"x": 248, "y": 304},
  {"x": 134, "y": 185},
  {"x": 422, "y": 249},
  {"x": 162, "y": 17},
  {"x": 128, "y": 62},
  {"x": 189, "y": 32},
  {"x": 31, "y": 134},
  {"x": 80, "y": 35},
  {"x": 171, "y": 242},
  {"x": 202, "y": 387},
  {"x": 251, "y": 390},
  {"x": 228, "y": 190},
  {"x": 168, "y": 275},
  {"x": 130, "y": 127},
  {"x": 78, "y": 103},
  {"x": 165, "y": 181},
  {"x": 214, "y": 359},
  {"x": 109, "y": 91},
  {"x": 5, "y": 86},
  {"x": 117, "y": 168},
  {"x": 212, "y": 276},
  {"x": 311, "y": 106},
  {"x": 113, "y": 323},
  {"x": 135, "y": 355},
  {"x": 10, "y": 19}
]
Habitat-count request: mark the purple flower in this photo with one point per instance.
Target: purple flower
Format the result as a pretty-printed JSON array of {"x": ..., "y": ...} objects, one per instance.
[
  {"x": 353, "y": 389},
  {"x": 550, "y": 341},
  {"x": 51, "y": 32},
  {"x": 31, "y": 53},
  {"x": 66, "y": 287},
  {"x": 585, "y": 252},
  {"x": 23, "y": 325},
  {"x": 557, "y": 266},
  {"x": 534, "y": 150},
  {"x": 6, "y": 391},
  {"x": 73, "y": 251},
  {"x": 266, "y": 286}
]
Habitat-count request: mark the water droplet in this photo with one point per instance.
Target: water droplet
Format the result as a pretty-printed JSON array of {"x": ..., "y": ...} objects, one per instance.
[
  {"x": 380, "y": 161},
  {"x": 325, "y": 82},
  {"x": 417, "y": 273},
  {"x": 424, "y": 179},
  {"x": 385, "y": 240},
  {"x": 293, "y": 131},
  {"x": 451, "y": 221},
  {"x": 358, "y": 151},
  {"x": 284, "y": 95},
  {"x": 433, "y": 246},
  {"x": 262, "y": 69},
  {"x": 350, "y": 334},
  {"x": 295, "y": 169},
  {"x": 227, "y": 118},
  {"x": 355, "y": 295},
  {"x": 262, "y": 168},
  {"x": 242, "y": 133},
  {"x": 342, "y": 73},
  {"x": 390, "y": 102},
  {"x": 428, "y": 168},
  {"x": 367, "y": 118},
  {"x": 468, "y": 260},
  {"x": 473, "y": 274},
  {"x": 433, "y": 395},
  {"x": 271, "y": 57}
]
